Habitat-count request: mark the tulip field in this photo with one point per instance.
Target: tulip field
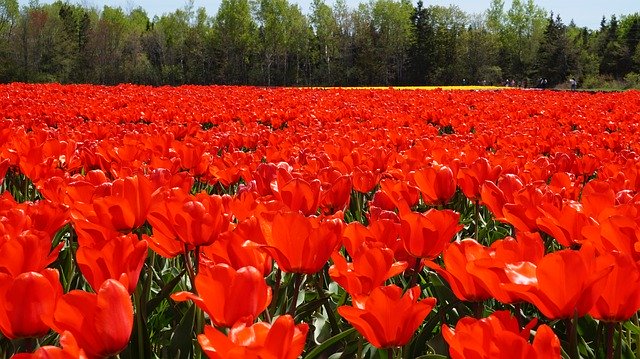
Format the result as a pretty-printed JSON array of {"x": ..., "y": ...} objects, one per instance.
[{"x": 246, "y": 222}]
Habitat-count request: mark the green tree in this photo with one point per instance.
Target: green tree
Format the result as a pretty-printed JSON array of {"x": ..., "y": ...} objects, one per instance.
[
  {"x": 557, "y": 58},
  {"x": 421, "y": 61},
  {"x": 391, "y": 22},
  {"x": 284, "y": 35},
  {"x": 234, "y": 40},
  {"x": 9, "y": 15},
  {"x": 326, "y": 44}
]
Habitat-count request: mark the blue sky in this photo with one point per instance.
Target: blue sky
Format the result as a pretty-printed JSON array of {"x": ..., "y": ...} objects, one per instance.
[{"x": 583, "y": 12}]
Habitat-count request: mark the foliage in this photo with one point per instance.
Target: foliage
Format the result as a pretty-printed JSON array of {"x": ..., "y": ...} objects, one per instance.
[{"x": 272, "y": 42}]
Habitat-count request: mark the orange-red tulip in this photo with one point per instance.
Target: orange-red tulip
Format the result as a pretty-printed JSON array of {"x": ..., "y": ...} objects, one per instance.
[
  {"x": 301, "y": 244},
  {"x": 369, "y": 269},
  {"x": 458, "y": 273},
  {"x": 193, "y": 220},
  {"x": 26, "y": 301},
  {"x": 30, "y": 251},
  {"x": 472, "y": 177},
  {"x": 283, "y": 340},
  {"x": 233, "y": 249},
  {"x": 229, "y": 296},
  {"x": 122, "y": 205},
  {"x": 424, "y": 235},
  {"x": 101, "y": 322},
  {"x": 120, "y": 258},
  {"x": 436, "y": 183},
  {"x": 619, "y": 298},
  {"x": 561, "y": 283},
  {"x": 296, "y": 193},
  {"x": 69, "y": 350},
  {"x": 387, "y": 318},
  {"x": 499, "y": 336}
]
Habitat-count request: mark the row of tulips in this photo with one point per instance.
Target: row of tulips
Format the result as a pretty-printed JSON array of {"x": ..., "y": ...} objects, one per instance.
[{"x": 274, "y": 223}]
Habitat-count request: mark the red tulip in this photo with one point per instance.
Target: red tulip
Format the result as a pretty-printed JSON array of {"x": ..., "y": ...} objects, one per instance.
[
  {"x": 565, "y": 225},
  {"x": 369, "y": 269},
  {"x": 101, "y": 322},
  {"x": 436, "y": 183},
  {"x": 120, "y": 258},
  {"x": 458, "y": 272},
  {"x": 229, "y": 296},
  {"x": 561, "y": 283},
  {"x": 69, "y": 350},
  {"x": 234, "y": 250},
  {"x": 122, "y": 205},
  {"x": 364, "y": 180},
  {"x": 472, "y": 177},
  {"x": 30, "y": 251},
  {"x": 425, "y": 235},
  {"x": 194, "y": 220},
  {"x": 387, "y": 318},
  {"x": 619, "y": 298},
  {"x": 296, "y": 193},
  {"x": 283, "y": 340},
  {"x": 26, "y": 301},
  {"x": 301, "y": 244},
  {"x": 499, "y": 336}
]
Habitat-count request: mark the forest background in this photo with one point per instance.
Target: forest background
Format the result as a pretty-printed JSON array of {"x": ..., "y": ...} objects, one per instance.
[{"x": 273, "y": 43}]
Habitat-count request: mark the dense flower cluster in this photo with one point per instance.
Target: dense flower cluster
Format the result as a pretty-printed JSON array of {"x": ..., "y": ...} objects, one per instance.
[{"x": 270, "y": 222}]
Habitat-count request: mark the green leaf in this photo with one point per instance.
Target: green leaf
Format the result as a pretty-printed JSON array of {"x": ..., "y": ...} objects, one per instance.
[
  {"x": 181, "y": 340},
  {"x": 431, "y": 356},
  {"x": 164, "y": 292},
  {"x": 328, "y": 343}
]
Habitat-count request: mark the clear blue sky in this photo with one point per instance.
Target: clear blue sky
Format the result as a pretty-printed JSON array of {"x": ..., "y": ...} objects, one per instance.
[{"x": 583, "y": 12}]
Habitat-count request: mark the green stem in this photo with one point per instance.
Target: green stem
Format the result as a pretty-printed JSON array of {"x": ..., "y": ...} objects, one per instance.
[
  {"x": 618, "y": 352},
  {"x": 140, "y": 323},
  {"x": 190, "y": 272},
  {"x": 296, "y": 291},
  {"x": 415, "y": 274},
  {"x": 637, "y": 324},
  {"x": 333, "y": 322},
  {"x": 276, "y": 293},
  {"x": 608, "y": 343},
  {"x": 478, "y": 309},
  {"x": 477, "y": 220},
  {"x": 572, "y": 327}
]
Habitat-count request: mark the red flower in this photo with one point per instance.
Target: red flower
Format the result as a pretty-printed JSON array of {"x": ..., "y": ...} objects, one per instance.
[
  {"x": 100, "y": 322},
  {"x": 425, "y": 235},
  {"x": 436, "y": 183},
  {"x": 472, "y": 177},
  {"x": 619, "y": 298},
  {"x": 562, "y": 282},
  {"x": 233, "y": 249},
  {"x": 499, "y": 336},
  {"x": 30, "y": 251},
  {"x": 364, "y": 180},
  {"x": 457, "y": 258},
  {"x": 120, "y": 258},
  {"x": 296, "y": 193},
  {"x": 229, "y": 296},
  {"x": 193, "y": 220},
  {"x": 122, "y": 205},
  {"x": 301, "y": 244},
  {"x": 369, "y": 269},
  {"x": 26, "y": 301},
  {"x": 387, "y": 318},
  {"x": 283, "y": 340},
  {"x": 69, "y": 350}
]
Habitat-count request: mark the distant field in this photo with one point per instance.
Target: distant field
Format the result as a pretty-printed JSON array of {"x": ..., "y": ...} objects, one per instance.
[{"x": 423, "y": 87}]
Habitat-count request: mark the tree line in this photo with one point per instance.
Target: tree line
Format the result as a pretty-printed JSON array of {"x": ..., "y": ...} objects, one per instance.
[{"x": 272, "y": 42}]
